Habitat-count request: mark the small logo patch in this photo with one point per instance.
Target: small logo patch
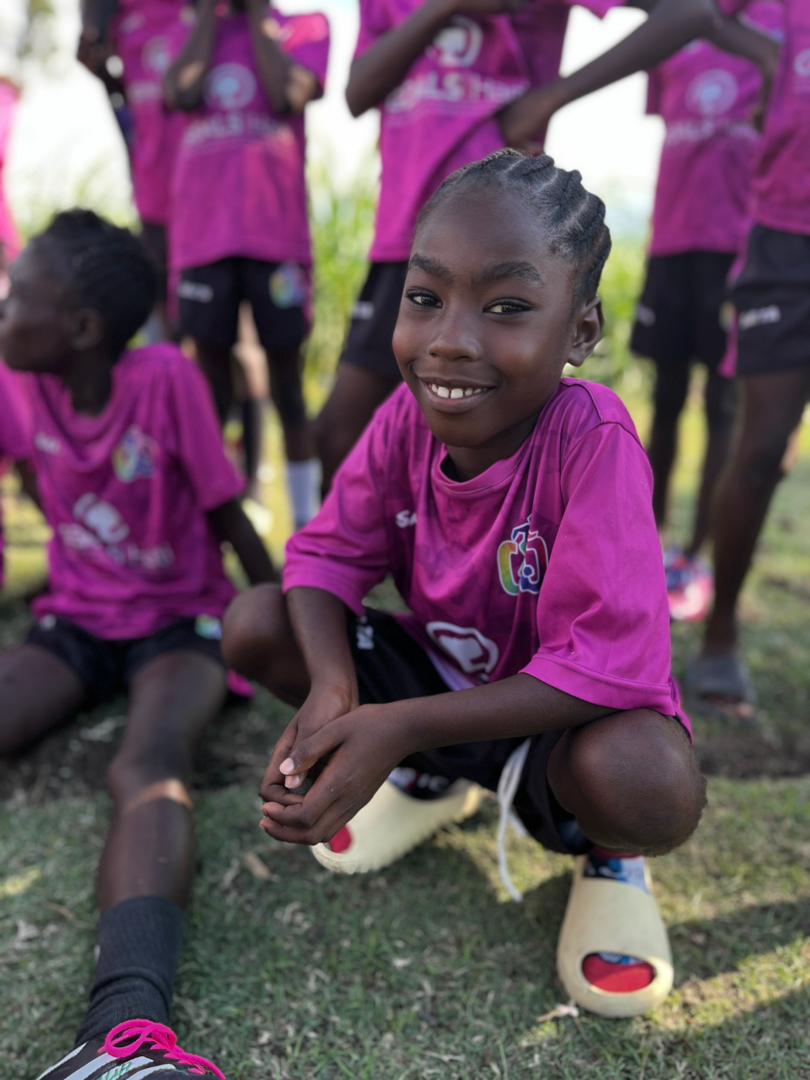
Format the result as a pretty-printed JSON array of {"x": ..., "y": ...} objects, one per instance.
[
  {"x": 288, "y": 286},
  {"x": 134, "y": 457},
  {"x": 208, "y": 627}
]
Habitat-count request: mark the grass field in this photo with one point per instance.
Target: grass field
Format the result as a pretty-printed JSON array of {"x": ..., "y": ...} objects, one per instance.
[{"x": 428, "y": 970}]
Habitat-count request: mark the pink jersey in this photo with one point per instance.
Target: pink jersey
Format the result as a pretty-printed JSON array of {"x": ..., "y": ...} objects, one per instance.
[
  {"x": 780, "y": 187},
  {"x": 148, "y": 36},
  {"x": 15, "y": 429},
  {"x": 547, "y": 563},
  {"x": 706, "y": 98},
  {"x": 442, "y": 115},
  {"x": 9, "y": 237},
  {"x": 126, "y": 495},
  {"x": 239, "y": 185}
]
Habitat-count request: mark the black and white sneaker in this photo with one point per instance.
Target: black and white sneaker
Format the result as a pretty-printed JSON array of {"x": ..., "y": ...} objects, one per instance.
[{"x": 134, "y": 1050}]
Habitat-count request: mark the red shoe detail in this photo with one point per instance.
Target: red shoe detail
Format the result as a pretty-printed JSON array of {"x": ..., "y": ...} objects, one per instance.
[
  {"x": 617, "y": 978},
  {"x": 341, "y": 841},
  {"x": 125, "y": 1040}
]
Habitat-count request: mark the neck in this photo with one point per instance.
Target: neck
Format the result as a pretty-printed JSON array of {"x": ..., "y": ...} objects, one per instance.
[
  {"x": 470, "y": 461},
  {"x": 89, "y": 382}
]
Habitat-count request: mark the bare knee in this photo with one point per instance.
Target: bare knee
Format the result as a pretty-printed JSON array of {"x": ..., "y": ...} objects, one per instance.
[
  {"x": 258, "y": 641},
  {"x": 632, "y": 780},
  {"x": 149, "y": 773}
]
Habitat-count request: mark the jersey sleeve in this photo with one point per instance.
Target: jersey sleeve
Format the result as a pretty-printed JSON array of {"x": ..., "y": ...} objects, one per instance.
[
  {"x": 344, "y": 550},
  {"x": 306, "y": 41},
  {"x": 375, "y": 21},
  {"x": 602, "y": 613},
  {"x": 197, "y": 437}
]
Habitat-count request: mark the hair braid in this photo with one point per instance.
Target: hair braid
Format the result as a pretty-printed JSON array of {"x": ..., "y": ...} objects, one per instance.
[
  {"x": 107, "y": 268},
  {"x": 574, "y": 218}
]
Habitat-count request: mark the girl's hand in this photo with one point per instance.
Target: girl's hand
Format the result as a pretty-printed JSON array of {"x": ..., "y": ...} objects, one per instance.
[
  {"x": 323, "y": 704},
  {"x": 357, "y": 750}
]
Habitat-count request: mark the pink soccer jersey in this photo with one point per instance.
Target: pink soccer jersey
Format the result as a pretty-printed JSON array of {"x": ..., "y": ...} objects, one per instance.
[
  {"x": 148, "y": 36},
  {"x": 706, "y": 99},
  {"x": 126, "y": 495},
  {"x": 547, "y": 563},
  {"x": 442, "y": 115},
  {"x": 780, "y": 186},
  {"x": 15, "y": 430},
  {"x": 239, "y": 185},
  {"x": 9, "y": 237}
]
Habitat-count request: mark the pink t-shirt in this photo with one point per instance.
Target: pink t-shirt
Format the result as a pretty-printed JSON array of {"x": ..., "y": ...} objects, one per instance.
[
  {"x": 239, "y": 185},
  {"x": 15, "y": 430},
  {"x": 705, "y": 98},
  {"x": 9, "y": 237},
  {"x": 148, "y": 36},
  {"x": 126, "y": 495},
  {"x": 442, "y": 115},
  {"x": 780, "y": 186},
  {"x": 547, "y": 563}
]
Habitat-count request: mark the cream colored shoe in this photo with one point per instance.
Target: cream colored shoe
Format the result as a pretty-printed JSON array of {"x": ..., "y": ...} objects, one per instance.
[
  {"x": 606, "y": 916},
  {"x": 391, "y": 825}
]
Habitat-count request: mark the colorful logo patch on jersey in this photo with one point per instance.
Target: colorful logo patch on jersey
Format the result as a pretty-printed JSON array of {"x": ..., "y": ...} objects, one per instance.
[
  {"x": 208, "y": 627},
  {"x": 157, "y": 56},
  {"x": 522, "y": 561},
  {"x": 712, "y": 93},
  {"x": 288, "y": 286},
  {"x": 230, "y": 86},
  {"x": 459, "y": 44},
  {"x": 135, "y": 456}
]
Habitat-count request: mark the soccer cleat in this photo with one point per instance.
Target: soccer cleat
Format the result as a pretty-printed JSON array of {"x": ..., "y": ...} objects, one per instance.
[
  {"x": 392, "y": 824},
  {"x": 134, "y": 1050}
]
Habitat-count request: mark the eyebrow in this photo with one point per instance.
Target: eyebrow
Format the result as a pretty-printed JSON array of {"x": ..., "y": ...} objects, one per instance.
[{"x": 489, "y": 274}]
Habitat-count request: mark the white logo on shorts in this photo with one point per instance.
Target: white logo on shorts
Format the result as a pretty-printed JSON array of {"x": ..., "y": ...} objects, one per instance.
[
  {"x": 363, "y": 309},
  {"x": 760, "y": 317},
  {"x": 645, "y": 315},
  {"x": 196, "y": 290},
  {"x": 230, "y": 86}
]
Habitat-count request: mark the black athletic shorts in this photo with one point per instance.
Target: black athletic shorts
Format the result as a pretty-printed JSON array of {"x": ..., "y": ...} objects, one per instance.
[
  {"x": 278, "y": 294},
  {"x": 391, "y": 666},
  {"x": 772, "y": 298},
  {"x": 153, "y": 238},
  {"x": 682, "y": 314},
  {"x": 374, "y": 317},
  {"x": 104, "y": 667}
]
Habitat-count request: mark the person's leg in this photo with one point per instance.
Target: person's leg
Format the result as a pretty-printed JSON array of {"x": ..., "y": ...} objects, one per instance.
[
  {"x": 146, "y": 868},
  {"x": 669, "y": 397},
  {"x": 209, "y": 310},
  {"x": 772, "y": 406},
  {"x": 720, "y": 398},
  {"x": 258, "y": 641},
  {"x": 38, "y": 692},
  {"x": 356, "y": 393}
]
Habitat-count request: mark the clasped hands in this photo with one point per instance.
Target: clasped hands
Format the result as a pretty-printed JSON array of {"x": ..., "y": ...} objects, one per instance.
[{"x": 344, "y": 750}]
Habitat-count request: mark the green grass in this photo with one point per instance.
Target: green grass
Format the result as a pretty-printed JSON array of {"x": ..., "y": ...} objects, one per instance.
[{"x": 427, "y": 970}]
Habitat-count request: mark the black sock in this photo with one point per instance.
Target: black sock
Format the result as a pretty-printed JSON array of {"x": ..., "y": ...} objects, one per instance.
[{"x": 138, "y": 946}]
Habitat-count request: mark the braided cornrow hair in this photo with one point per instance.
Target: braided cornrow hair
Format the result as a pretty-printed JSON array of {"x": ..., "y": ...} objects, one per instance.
[
  {"x": 107, "y": 269},
  {"x": 574, "y": 218}
]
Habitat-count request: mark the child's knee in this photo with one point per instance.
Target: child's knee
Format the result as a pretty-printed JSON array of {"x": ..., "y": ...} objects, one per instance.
[
  {"x": 254, "y": 629},
  {"x": 638, "y": 780}
]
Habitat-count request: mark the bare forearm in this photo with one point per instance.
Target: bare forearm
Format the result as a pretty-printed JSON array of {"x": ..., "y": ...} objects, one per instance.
[
  {"x": 744, "y": 40},
  {"x": 232, "y": 525},
  {"x": 319, "y": 622},
  {"x": 183, "y": 82},
  {"x": 516, "y": 707},
  {"x": 383, "y": 66},
  {"x": 272, "y": 65}
]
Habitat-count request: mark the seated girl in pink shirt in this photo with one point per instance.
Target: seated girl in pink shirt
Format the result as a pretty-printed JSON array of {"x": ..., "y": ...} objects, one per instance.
[
  {"x": 239, "y": 230},
  {"x": 139, "y": 494},
  {"x": 513, "y": 509},
  {"x": 15, "y": 435}
]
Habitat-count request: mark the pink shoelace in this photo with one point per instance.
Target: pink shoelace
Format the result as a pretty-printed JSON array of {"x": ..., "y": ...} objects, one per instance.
[{"x": 125, "y": 1040}]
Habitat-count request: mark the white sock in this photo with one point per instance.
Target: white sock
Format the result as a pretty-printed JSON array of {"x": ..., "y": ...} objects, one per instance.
[{"x": 304, "y": 486}]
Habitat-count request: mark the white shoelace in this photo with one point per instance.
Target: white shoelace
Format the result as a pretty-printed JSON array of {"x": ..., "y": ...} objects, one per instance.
[{"x": 507, "y": 787}]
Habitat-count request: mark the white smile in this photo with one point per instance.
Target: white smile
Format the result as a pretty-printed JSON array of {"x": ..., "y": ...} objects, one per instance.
[{"x": 454, "y": 393}]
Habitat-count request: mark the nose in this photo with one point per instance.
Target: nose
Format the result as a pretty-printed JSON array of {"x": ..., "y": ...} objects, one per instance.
[{"x": 455, "y": 335}]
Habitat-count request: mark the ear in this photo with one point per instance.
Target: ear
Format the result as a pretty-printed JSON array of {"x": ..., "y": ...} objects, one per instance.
[
  {"x": 86, "y": 329},
  {"x": 589, "y": 325}
]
